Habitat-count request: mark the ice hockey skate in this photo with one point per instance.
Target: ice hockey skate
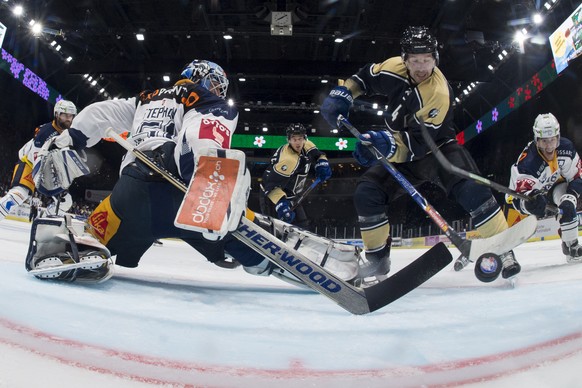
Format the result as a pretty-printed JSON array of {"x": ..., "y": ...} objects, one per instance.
[
  {"x": 573, "y": 252},
  {"x": 510, "y": 265}
]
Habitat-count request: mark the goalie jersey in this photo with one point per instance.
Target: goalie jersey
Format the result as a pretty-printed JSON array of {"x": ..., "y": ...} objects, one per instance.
[
  {"x": 187, "y": 114},
  {"x": 287, "y": 173}
]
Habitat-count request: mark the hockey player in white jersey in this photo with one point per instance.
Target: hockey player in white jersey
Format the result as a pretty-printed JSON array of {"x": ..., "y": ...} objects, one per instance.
[
  {"x": 22, "y": 185},
  {"x": 549, "y": 170},
  {"x": 173, "y": 126}
]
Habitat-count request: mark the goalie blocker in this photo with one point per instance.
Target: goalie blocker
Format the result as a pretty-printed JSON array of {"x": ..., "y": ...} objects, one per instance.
[{"x": 217, "y": 194}]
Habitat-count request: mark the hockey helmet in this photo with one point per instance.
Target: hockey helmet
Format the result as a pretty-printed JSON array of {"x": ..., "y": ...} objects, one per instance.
[
  {"x": 64, "y": 106},
  {"x": 296, "y": 129},
  {"x": 418, "y": 40},
  {"x": 546, "y": 125},
  {"x": 208, "y": 74}
]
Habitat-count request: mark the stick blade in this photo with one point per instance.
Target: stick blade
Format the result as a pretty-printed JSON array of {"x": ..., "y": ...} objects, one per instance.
[{"x": 408, "y": 278}]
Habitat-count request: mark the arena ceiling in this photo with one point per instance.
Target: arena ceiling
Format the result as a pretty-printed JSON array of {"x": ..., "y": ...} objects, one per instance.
[{"x": 285, "y": 71}]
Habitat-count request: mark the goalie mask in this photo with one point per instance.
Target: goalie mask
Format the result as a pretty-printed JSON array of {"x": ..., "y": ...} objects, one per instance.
[
  {"x": 545, "y": 126},
  {"x": 208, "y": 74},
  {"x": 418, "y": 40}
]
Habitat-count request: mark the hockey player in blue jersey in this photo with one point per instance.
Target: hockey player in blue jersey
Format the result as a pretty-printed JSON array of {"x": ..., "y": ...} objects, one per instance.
[
  {"x": 22, "y": 185},
  {"x": 416, "y": 90},
  {"x": 550, "y": 171}
]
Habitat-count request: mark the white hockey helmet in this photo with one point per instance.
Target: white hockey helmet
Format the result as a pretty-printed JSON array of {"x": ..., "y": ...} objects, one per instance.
[
  {"x": 546, "y": 125},
  {"x": 208, "y": 74},
  {"x": 65, "y": 106}
]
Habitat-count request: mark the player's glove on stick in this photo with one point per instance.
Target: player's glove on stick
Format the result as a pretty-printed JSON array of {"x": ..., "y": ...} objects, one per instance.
[
  {"x": 284, "y": 212},
  {"x": 383, "y": 141},
  {"x": 338, "y": 102},
  {"x": 322, "y": 170},
  {"x": 536, "y": 205}
]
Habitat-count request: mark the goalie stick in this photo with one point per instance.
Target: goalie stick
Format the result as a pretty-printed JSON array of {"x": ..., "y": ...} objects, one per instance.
[
  {"x": 352, "y": 299},
  {"x": 471, "y": 249}
]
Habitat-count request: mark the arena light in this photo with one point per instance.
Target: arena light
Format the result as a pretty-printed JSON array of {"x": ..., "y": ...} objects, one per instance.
[
  {"x": 69, "y": 59},
  {"x": 18, "y": 10},
  {"x": 166, "y": 78},
  {"x": 36, "y": 29},
  {"x": 140, "y": 37}
]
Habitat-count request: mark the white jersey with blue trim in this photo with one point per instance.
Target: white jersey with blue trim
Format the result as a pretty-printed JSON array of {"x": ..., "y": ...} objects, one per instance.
[
  {"x": 534, "y": 172},
  {"x": 187, "y": 114}
]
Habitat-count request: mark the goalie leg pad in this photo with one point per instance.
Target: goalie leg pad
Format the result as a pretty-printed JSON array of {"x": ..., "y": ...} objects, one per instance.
[
  {"x": 338, "y": 258},
  {"x": 57, "y": 170},
  {"x": 60, "y": 205},
  {"x": 217, "y": 194},
  {"x": 53, "y": 242}
]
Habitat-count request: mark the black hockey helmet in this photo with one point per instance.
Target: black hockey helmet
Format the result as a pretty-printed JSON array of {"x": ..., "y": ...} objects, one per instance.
[
  {"x": 296, "y": 129},
  {"x": 418, "y": 40}
]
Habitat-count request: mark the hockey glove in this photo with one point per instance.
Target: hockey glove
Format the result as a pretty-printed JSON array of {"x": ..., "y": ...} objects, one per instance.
[
  {"x": 383, "y": 141},
  {"x": 284, "y": 212},
  {"x": 536, "y": 205},
  {"x": 322, "y": 170},
  {"x": 338, "y": 102}
]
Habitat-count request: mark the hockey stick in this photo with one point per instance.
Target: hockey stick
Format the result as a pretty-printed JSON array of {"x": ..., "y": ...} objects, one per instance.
[
  {"x": 305, "y": 193},
  {"x": 463, "y": 245},
  {"x": 352, "y": 299},
  {"x": 469, "y": 175},
  {"x": 471, "y": 249}
]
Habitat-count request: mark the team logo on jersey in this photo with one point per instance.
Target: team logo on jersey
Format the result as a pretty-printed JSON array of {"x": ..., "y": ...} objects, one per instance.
[
  {"x": 215, "y": 130},
  {"x": 284, "y": 167},
  {"x": 524, "y": 185},
  {"x": 433, "y": 113}
]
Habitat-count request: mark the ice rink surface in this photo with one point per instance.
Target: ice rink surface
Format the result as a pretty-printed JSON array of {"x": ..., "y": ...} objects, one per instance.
[{"x": 177, "y": 320}]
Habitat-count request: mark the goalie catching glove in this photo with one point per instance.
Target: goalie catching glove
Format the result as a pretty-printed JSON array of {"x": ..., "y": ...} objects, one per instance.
[
  {"x": 217, "y": 194},
  {"x": 57, "y": 169}
]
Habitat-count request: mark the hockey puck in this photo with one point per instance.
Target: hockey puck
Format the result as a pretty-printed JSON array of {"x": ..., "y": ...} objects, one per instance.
[{"x": 488, "y": 267}]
